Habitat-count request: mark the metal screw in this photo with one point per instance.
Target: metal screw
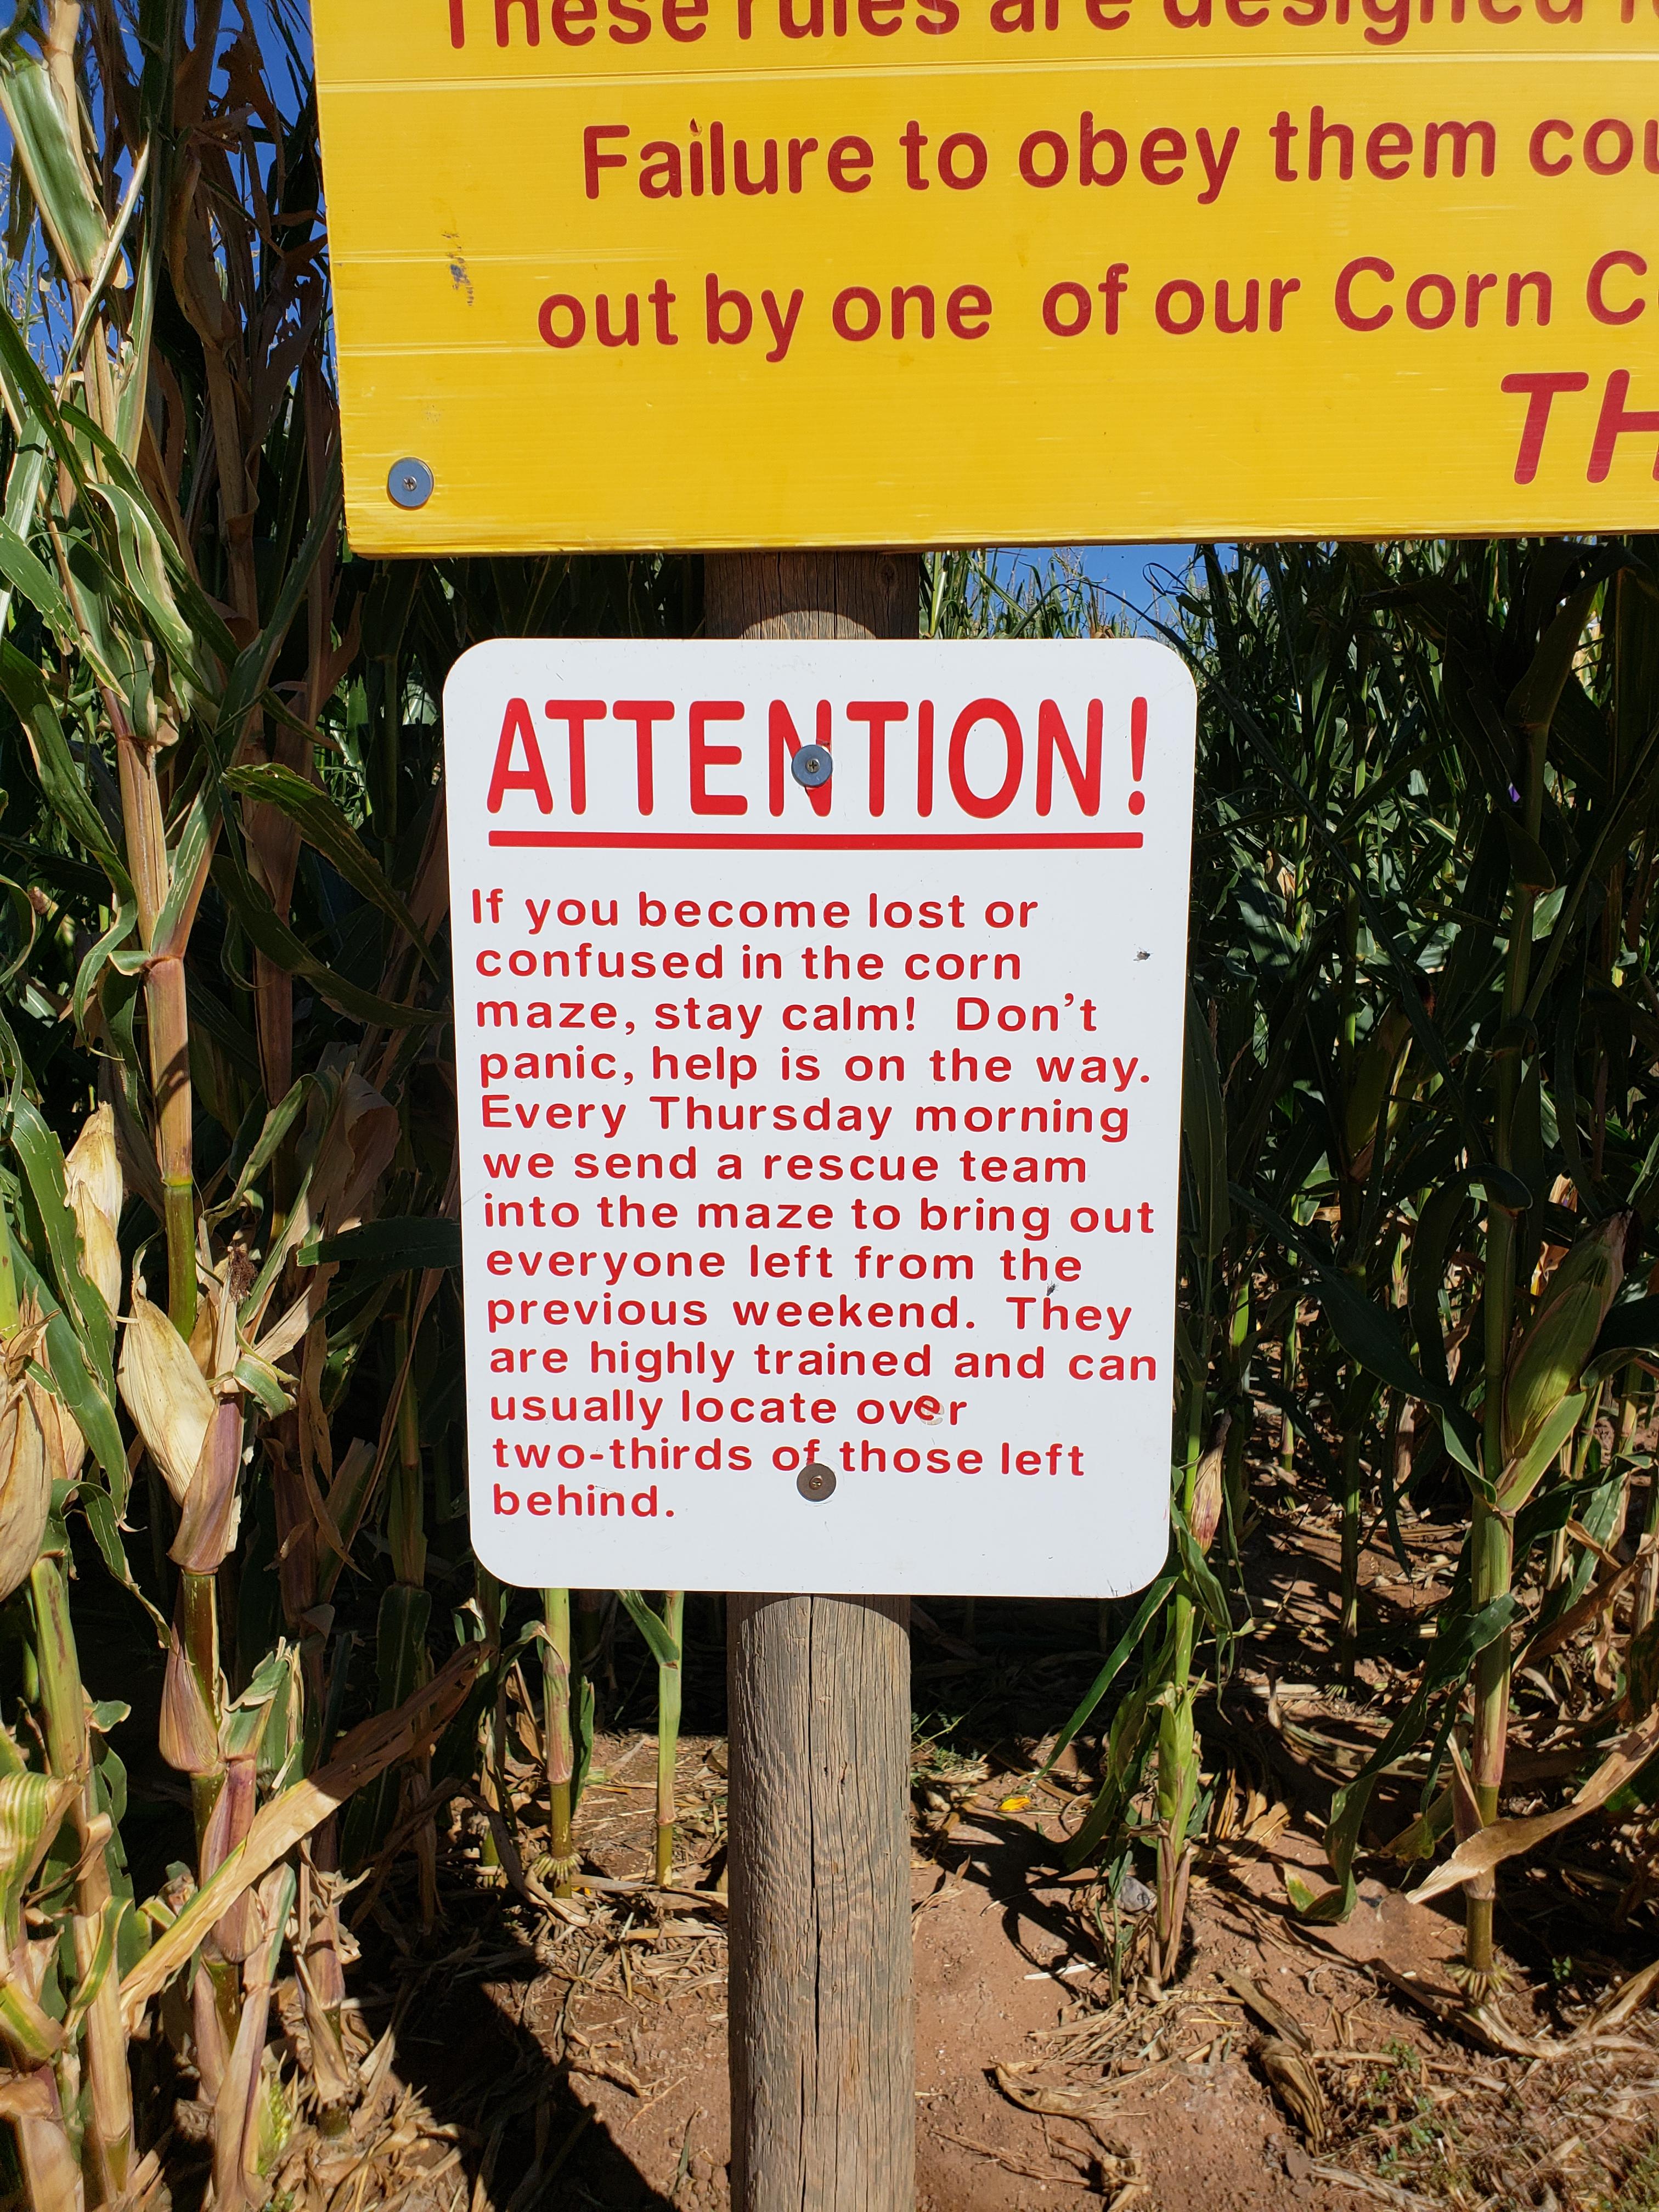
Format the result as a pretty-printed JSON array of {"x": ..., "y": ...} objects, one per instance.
[
  {"x": 815, "y": 1482},
  {"x": 410, "y": 483},
  {"x": 812, "y": 766}
]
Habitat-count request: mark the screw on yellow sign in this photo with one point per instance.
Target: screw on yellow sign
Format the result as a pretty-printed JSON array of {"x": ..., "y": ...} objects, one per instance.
[{"x": 747, "y": 272}]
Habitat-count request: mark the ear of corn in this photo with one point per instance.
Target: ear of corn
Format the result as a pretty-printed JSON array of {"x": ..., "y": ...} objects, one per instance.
[
  {"x": 92, "y": 1176},
  {"x": 1544, "y": 1367},
  {"x": 163, "y": 1388},
  {"x": 31, "y": 1457}
]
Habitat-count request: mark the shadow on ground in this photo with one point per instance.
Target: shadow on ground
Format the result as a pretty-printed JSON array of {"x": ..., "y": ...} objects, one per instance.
[{"x": 457, "y": 2003}]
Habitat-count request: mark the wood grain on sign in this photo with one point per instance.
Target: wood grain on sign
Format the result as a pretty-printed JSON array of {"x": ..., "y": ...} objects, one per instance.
[
  {"x": 833, "y": 1126},
  {"x": 851, "y": 272}
]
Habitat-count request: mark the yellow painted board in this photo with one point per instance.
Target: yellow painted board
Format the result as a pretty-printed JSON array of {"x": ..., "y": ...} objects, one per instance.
[{"x": 692, "y": 273}]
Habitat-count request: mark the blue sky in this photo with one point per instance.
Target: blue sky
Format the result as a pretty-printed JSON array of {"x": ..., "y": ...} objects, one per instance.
[{"x": 1140, "y": 575}]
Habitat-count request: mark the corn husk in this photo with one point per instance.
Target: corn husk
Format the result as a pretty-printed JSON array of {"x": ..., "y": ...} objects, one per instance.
[
  {"x": 163, "y": 1388},
  {"x": 92, "y": 1183},
  {"x": 94, "y": 1165},
  {"x": 30, "y": 1457},
  {"x": 228, "y": 1826},
  {"x": 210, "y": 1507},
  {"x": 1545, "y": 1365},
  {"x": 101, "y": 1255},
  {"x": 1207, "y": 1499},
  {"x": 66, "y": 1448},
  {"x": 186, "y": 1736}
]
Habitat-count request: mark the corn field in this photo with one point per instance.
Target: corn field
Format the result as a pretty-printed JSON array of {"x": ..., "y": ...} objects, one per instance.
[{"x": 1421, "y": 1195}]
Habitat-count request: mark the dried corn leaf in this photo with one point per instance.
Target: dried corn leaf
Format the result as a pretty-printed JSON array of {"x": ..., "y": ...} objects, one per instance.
[
  {"x": 1507, "y": 1839},
  {"x": 277, "y": 1827},
  {"x": 1272, "y": 2016},
  {"x": 1294, "y": 2081},
  {"x": 1093, "y": 2100}
]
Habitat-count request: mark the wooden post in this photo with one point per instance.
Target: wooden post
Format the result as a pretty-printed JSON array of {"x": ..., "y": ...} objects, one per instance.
[{"x": 822, "y": 2011}]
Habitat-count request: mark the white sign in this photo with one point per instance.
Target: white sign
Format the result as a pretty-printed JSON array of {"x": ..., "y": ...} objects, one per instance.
[{"x": 820, "y": 1143}]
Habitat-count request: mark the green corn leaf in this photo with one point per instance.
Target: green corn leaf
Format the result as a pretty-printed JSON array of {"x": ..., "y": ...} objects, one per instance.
[
  {"x": 273, "y": 1129},
  {"x": 1430, "y": 1242},
  {"x": 1145, "y": 1613},
  {"x": 261, "y": 1380},
  {"x": 1564, "y": 1084},
  {"x": 69, "y": 1375},
  {"x": 664, "y": 1650},
  {"x": 401, "y": 1653},
  {"x": 1319, "y": 1908},
  {"x": 189, "y": 856},
  {"x": 42, "y": 135},
  {"x": 1177, "y": 1764},
  {"x": 30, "y": 576},
  {"x": 256, "y": 1725},
  {"x": 323, "y": 826},
  {"x": 99, "y": 1967},
  {"x": 1392, "y": 1494},
  {"x": 252, "y": 671},
  {"x": 1405, "y": 976},
  {"x": 42, "y": 1160},
  {"x": 1324, "y": 1460},
  {"x": 26, "y": 692},
  {"x": 37, "y": 410},
  {"x": 583, "y": 1711},
  {"x": 93, "y": 1408},
  {"x": 393, "y": 1246},
  {"x": 33, "y": 1807},
  {"x": 24, "y": 485},
  {"x": 1528, "y": 862},
  {"x": 103, "y": 954},
  {"x": 286, "y": 1888},
  {"x": 1628, "y": 1329},
  {"x": 1204, "y": 1125},
  {"x": 144, "y": 573},
  {"x": 135, "y": 385},
  {"x": 254, "y": 1305},
  {"x": 274, "y": 938},
  {"x": 1450, "y": 1662},
  {"x": 1134, "y": 1727},
  {"x": 1534, "y": 702},
  {"x": 1367, "y": 1331},
  {"x": 109, "y": 260},
  {"x": 121, "y": 490},
  {"x": 1520, "y": 1480},
  {"x": 1198, "y": 1579}
]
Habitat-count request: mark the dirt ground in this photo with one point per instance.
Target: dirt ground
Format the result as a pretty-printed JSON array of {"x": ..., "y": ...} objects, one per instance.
[
  {"x": 519, "y": 2051},
  {"x": 573, "y": 2054}
]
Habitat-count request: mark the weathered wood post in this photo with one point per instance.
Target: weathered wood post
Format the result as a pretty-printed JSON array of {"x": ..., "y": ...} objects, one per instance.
[{"x": 823, "y": 2026}]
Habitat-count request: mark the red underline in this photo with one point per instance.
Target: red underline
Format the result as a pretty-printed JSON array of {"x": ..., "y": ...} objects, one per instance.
[{"x": 1119, "y": 840}]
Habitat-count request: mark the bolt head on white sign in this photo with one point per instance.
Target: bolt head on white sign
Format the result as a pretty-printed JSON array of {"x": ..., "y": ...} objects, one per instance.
[{"x": 820, "y": 1133}]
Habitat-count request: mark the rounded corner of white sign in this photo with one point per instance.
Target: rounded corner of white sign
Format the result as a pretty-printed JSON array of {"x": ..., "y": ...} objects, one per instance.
[
  {"x": 511, "y": 1566},
  {"x": 476, "y": 671},
  {"x": 1148, "y": 1558}
]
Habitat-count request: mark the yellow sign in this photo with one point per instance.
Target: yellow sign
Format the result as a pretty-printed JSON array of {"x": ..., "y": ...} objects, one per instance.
[{"x": 842, "y": 272}]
